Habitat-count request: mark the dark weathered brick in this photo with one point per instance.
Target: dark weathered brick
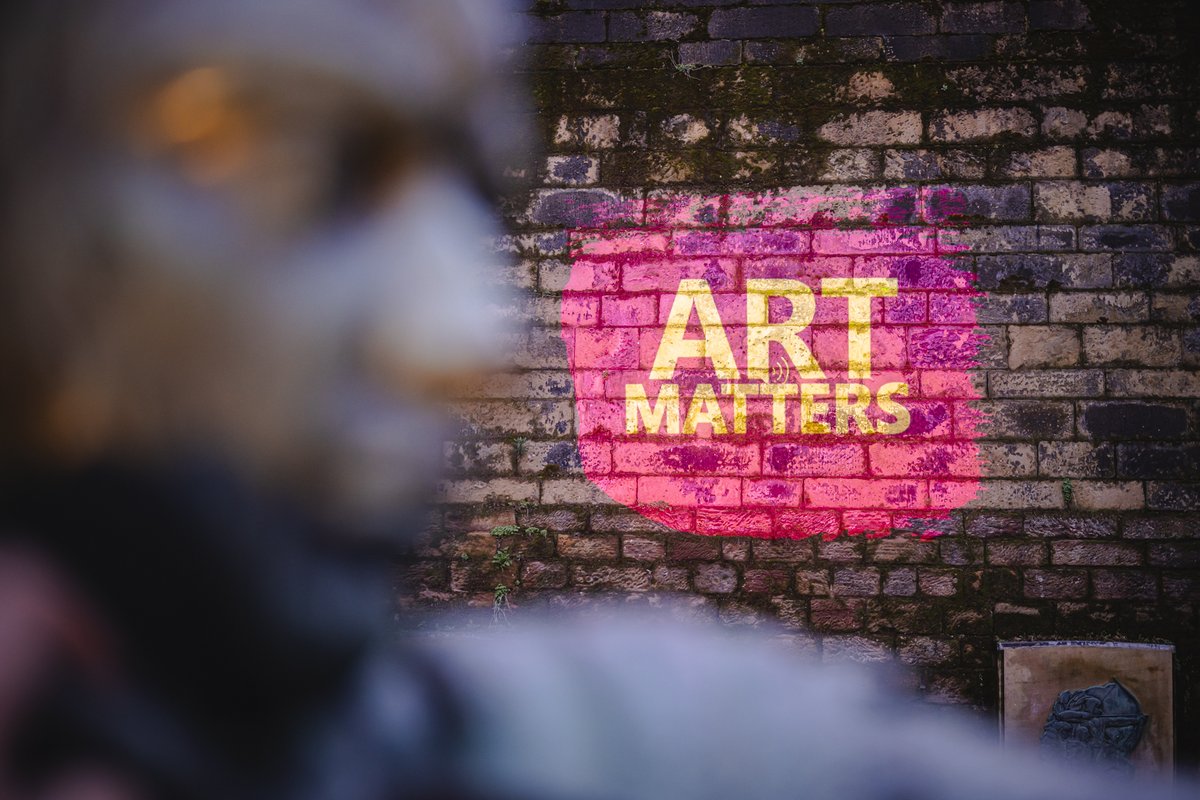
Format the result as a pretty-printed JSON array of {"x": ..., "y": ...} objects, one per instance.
[
  {"x": 791, "y": 550},
  {"x": 903, "y": 550},
  {"x": 710, "y": 54},
  {"x": 960, "y": 552},
  {"x": 1075, "y": 460},
  {"x": 763, "y": 23},
  {"x": 735, "y": 549},
  {"x": 684, "y": 547},
  {"x": 925, "y": 650},
  {"x": 649, "y": 27},
  {"x": 1070, "y": 527},
  {"x": 857, "y": 649},
  {"x": 1135, "y": 345},
  {"x": 642, "y": 548},
  {"x": 715, "y": 578},
  {"x": 584, "y": 208},
  {"x": 1027, "y": 271},
  {"x": 814, "y": 582},
  {"x": 588, "y": 546},
  {"x": 840, "y": 550},
  {"x": 1125, "y": 237},
  {"x": 1115, "y": 420},
  {"x": 900, "y": 582},
  {"x": 1159, "y": 461},
  {"x": 571, "y": 27},
  {"x": 856, "y": 582},
  {"x": 1160, "y": 526},
  {"x": 937, "y": 583},
  {"x": 937, "y": 48},
  {"x": 995, "y": 16},
  {"x": 1055, "y": 584},
  {"x": 1141, "y": 269},
  {"x": 599, "y": 5},
  {"x": 883, "y": 19},
  {"x": 671, "y": 578},
  {"x": 1176, "y": 555},
  {"x": 543, "y": 575},
  {"x": 1095, "y": 554},
  {"x": 1181, "y": 588},
  {"x": 1173, "y": 496},
  {"x": 994, "y": 525},
  {"x": 1016, "y": 554},
  {"x": 1124, "y": 584},
  {"x": 1099, "y": 306},
  {"x": 996, "y": 203},
  {"x": 1033, "y": 346},
  {"x": 766, "y": 581},
  {"x": 836, "y": 614},
  {"x": 1012, "y": 308},
  {"x": 1181, "y": 203},
  {"x": 1030, "y": 419},
  {"x": 1067, "y": 15}
]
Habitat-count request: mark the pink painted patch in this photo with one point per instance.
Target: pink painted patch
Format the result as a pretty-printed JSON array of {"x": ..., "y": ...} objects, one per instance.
[{"x": 809, "y": 379}]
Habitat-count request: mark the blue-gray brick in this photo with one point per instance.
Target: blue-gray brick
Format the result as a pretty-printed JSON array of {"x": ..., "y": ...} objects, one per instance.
[
  {"x": 937, "y": 48},
  {"x": 763, "y": 23},
  {"x": 1181, "y": 203},
  {"x": 1058, "y": 15},
  {"x": 649, "y": 27},
  {"x": 710, "y": 54},
  {"x": 1037, "y": 271},
  {"x": 1124, "y": 237},
  {"x": 879, "y": 19},
  {"x": 582, "y": 26},
  {"x": 1012, "y": 309}
]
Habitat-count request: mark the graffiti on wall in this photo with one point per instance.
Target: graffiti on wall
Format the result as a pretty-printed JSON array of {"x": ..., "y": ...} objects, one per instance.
[{"x": 780, "y": 365}]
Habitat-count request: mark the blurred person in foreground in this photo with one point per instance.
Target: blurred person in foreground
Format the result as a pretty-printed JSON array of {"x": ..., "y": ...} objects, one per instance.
[{"x": 239, "y": 273}]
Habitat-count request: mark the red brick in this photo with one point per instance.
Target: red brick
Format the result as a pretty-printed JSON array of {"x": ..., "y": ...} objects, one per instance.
[
  {"x": 624, "y": 579},
  {"x": 543, "y": 575},
  {"x": 792, "y": 524},
  {"x": 859, "y": 493},
  {"x": 766, "y": 581},
  {"x": 716, "y": 578},
  {"x": 835, "y": 615},
  {"x": 587, "y": 546},
  {"x": 641, "y": 548}
]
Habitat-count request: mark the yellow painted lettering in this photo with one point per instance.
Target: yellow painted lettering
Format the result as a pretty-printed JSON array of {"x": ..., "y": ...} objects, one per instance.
[
  {"x": 760, "y": 332},
  {"x": 851, "y": 401},
  {"x": 809, "y": 407},
  {"x": 889, "y": 406},
  {"x": 858, "y": 293},
  {"x": 637, "y": 406},
  {"x": 704, "y": 408},
  {"x": 694, "y": 294}
]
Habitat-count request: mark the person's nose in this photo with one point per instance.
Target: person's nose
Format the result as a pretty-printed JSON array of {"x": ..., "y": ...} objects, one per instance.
[{"x": 436, "y": 313}]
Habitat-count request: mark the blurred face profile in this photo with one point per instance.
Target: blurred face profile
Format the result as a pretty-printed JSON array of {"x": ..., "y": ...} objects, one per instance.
[{"x": 258, "y": 231}]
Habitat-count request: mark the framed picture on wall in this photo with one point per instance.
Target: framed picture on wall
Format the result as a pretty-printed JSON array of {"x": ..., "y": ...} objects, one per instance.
[{"x": 1105, "y": 704}]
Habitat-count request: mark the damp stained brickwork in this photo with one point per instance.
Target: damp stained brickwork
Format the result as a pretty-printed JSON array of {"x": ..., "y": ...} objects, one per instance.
[{"x": 1068, "y": 134}]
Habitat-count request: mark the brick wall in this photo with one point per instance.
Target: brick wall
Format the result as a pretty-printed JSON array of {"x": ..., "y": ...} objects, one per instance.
[{"x": 1068, "y": 132}]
